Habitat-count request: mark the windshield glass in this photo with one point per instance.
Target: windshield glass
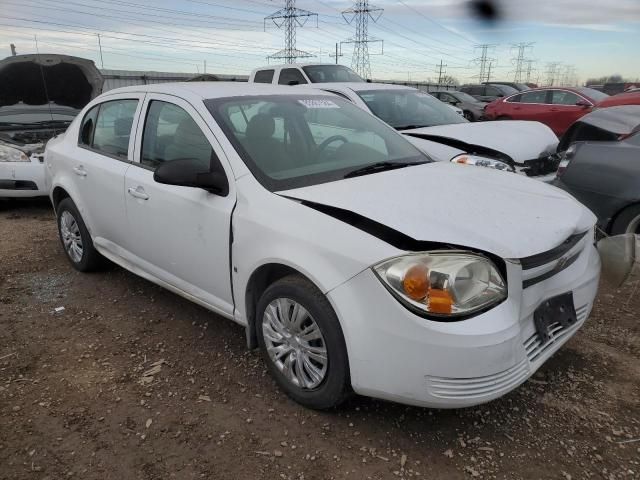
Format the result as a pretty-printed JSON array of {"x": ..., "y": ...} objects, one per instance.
[
  {"x": 593, "y": 94},
  {"x": 292, "y": 141},
  {"x": 331, "y": 73},
  {"x": 464, "y": 97},
  {"x": 404, "y": 109}
]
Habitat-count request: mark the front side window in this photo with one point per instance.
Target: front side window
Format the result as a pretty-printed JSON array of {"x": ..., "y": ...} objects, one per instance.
[
  {"x": 561, "y": 97},
  {"x": 331, "y": 73},
  {"x": 291, "y": 141},
  {"x": 291, "y": 76},
  {"x": 88, "y": 127},
  {"x": 403, "y": 109},
  {"x": 263, "y": 76},
  {"x": 113, "y": 127},
  {"x": 534, "y": 96},
  {"x": 170, "y": 133}
]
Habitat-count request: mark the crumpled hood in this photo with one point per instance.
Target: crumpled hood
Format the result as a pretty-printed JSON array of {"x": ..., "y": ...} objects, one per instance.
[
  {"x": 70, "y": 81},
  {"x": 520, "y": 140},
  {"x": 497, "y": 212}
]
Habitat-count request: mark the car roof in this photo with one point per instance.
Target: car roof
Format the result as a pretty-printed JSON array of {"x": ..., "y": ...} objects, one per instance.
[
  {"x": 620, "y": 120},
  {"x": 359, "y": 86},
  {"x": 206, "y": 90}
]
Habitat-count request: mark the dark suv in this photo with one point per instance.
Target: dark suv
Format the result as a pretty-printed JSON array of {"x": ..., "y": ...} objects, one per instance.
[{"x": 488, "y": 93}]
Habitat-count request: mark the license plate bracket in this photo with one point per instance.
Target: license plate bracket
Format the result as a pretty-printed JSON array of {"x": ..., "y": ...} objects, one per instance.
[{"x": 560, "y": 309}]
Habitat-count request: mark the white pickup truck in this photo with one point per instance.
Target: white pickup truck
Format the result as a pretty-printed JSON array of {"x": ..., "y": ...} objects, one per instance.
[{"x": 302, "y": 73}]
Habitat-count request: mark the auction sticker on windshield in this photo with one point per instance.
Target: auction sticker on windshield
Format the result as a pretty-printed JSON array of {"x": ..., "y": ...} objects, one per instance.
[{"x": 318, "y": 104}]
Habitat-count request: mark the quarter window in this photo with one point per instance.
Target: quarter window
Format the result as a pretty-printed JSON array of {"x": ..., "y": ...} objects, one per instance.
[
  {"x": 263, "y": 76},
  {"x": 170, "y": 133},
  {"x": 291, "y": 76},
  {"x": 88, "y": 127},
  {"x": 561, "y": 97},
  {"x": 113, "y": 127}
]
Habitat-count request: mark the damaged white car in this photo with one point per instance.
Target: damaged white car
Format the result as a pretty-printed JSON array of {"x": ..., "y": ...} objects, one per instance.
[
  {"x": 528, "y": 148},
  {"x": 40, "y": 95},
  {"x": 354, "y": 261}
]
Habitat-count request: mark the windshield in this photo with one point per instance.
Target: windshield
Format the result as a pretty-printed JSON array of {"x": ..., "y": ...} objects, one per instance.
[
  {"x": 30, "y": 115},
  {"x": 292, "y": 141},
  {"x": 464, "y": 97},
  {"x": 331, "y": 73},
  {"x": 404, "y": 109},
  {"x": 592, "y": 94}
]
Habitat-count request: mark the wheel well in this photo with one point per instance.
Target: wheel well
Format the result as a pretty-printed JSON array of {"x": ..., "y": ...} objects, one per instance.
[
  {"x": 59, "y": 194},
  {"x": 258, "y": 283},
  {"x": 618, "y": 213}
]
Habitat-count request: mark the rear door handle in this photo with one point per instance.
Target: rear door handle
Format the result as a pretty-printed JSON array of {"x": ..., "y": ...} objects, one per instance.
[
  {"x": 138, "y": 192},
  {"x": 79, "y": 170}
]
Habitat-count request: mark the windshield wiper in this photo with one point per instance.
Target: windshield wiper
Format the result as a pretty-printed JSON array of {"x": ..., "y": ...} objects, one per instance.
[
  {"x": 409, "y": 127},
  {"x": 381, "y": 167}
]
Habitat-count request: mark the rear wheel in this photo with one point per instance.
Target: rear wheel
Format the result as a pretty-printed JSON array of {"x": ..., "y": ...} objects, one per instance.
[
  {"x": 627, "y": 221},
  {"x": 302, "y": 342},
  {"x": 469, "y": 116},
  {"x": 75, "y": 238}
]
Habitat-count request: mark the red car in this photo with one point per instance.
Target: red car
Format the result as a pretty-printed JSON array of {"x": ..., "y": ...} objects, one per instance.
[
  {"x": 629, "y": 98},
  {"x": 556, "y": 107}
]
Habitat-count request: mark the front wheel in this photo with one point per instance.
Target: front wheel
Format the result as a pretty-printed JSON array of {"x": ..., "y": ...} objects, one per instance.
[
  {"x": 75, "y": 238},
  {"x": 302, "y": 342},
  {"x": 469, "y": 116}
]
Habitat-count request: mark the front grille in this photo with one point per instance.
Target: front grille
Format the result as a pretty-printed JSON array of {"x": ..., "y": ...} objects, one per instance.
[
  {"x": 478, "y": 387},
  {"x": 533, "y": 345}
]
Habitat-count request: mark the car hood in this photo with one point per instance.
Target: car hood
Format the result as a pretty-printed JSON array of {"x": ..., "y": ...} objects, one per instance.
[
  {"x": 519, "y": 140},
  {"x": 70, "y": 81},
  {"x": 504, "y": 214}
]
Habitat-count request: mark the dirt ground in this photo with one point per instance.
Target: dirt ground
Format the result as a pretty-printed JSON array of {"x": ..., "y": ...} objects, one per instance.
[{"x": 133, "y": 382}]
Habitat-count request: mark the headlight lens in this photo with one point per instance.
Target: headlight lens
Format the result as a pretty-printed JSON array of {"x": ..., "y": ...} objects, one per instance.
[
  {"x": 443, "y": 284},
  {"x": 482, "y": 162},
  {"x": 10, "y": 154}
]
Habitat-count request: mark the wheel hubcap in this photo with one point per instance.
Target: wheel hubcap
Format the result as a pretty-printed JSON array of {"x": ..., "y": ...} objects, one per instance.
[
  {"x": 70, "y": 232},
  {"x": 295, "y": 343}
]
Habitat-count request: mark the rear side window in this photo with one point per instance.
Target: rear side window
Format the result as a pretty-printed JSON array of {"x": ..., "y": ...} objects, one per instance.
[
  {"x": 263, "y": 76},
  {"x": 474, "y": 90},
  {"x": 560, "y": 97},
  {"x": 113, "y": 127},
  {"x": 88, "y": 127},
  {"x": 534, "y": 97},
  {"x": 291, "y": 76},
  {"x": 170, "y": 133},
  {"x": 493, "y": 91}
]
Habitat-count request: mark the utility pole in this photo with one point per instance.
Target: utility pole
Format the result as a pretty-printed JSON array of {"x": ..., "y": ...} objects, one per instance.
[
  {"x": 360, "y": 14},
  {"x": 205, "y": 67},
  {"x": 441, "y": 72},
  {"x": 489, "y": 72},
  {"x": 290, "y": 18},
  {"x": 13, "y": 50},
  {"x": 483, "y": 61},
  {"x": 338, "y": 53},
  {"x": 519, "y": 59},
  {"x": 100, "y": 47}
]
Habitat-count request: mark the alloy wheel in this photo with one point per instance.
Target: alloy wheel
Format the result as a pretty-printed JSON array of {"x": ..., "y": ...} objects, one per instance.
[
  {"x": 295, "y": 343},
  {"x": 71, "y": 238}
]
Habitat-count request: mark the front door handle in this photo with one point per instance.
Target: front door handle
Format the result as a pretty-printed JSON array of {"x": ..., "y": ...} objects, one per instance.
[
  {"x": 138, "y": 192},
  {"x": 79, "y": 170}
]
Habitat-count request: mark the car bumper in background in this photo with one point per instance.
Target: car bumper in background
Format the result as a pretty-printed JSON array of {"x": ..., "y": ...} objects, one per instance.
[
  {"x": 399, "y": 356},
  {"x": 22, "y": 179}
]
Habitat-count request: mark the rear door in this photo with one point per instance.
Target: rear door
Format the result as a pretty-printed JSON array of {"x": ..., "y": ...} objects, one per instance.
[
  {"x": 564, "y": 111},
  {"x": 180, "y": 235},
  {"x": 105, "y": 153},
  {"x": 531, "y": 106}
]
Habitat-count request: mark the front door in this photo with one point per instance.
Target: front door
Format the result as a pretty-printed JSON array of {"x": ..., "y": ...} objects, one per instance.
[{"x": 180, "y": 235}]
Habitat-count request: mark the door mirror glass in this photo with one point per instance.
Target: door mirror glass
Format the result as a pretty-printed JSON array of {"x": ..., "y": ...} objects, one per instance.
[
  {"x": 583, "y": 103},
  {"x": 188, "y": 172}
]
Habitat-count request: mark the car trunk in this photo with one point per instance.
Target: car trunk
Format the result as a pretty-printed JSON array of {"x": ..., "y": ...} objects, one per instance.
[{"x": 48, "y": 78}]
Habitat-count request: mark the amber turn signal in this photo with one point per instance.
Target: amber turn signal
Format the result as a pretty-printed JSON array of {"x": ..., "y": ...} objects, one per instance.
[{"x": 416, "y": 282}]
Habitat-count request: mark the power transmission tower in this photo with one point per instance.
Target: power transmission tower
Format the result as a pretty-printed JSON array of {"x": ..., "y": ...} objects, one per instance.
[
  {"x": 290, "y": 18},
  {"x": 441, "y": 72},
  {"x": 519, "y": 59},
  {"x": 552, "y": 73},
  {"x": 489, "y": 72},
  {"x": 483, "y": 61},
  {"x": 360, "y": 14},
  {"x": 529, "y": 70}
]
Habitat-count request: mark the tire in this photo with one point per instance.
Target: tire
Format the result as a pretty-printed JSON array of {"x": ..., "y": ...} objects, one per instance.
[
  {"x": 73, "y": 234},
  {"x": 469, "y": 116},
  {"x": 627, "y": 221},
  {"x": 332, "y": 385}
]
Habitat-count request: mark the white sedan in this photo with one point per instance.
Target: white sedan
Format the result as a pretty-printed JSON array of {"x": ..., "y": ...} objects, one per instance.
[
  {"x": 354, "y": 261},
  {"x": 528, "y": 148}
]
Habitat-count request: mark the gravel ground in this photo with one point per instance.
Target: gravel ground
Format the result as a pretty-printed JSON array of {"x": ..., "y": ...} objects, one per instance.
[{"x": 132, "y": 382}]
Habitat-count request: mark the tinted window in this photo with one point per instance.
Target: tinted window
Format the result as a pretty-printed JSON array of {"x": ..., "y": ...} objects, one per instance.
[
  {"x": 445, "y": 97},
  {"x": 88, "y": 127},
  {"x": 292, "y": 141},
  {"x": 505, "y": 89},
  {"x": 331, "y": 73},
  {"x": 474, "y": 90},
  {"x": 170, "y": 134},
  {"x": 263, "y": 76},
  {"x": 534, "y": 96},
  {"x": 491, "y": 91},
  {"x": 291, "y": 76},
  {"x": 561, "y": 97},
  {"x": 515, "y": 99},
  {"x": 113, "y": 127}
]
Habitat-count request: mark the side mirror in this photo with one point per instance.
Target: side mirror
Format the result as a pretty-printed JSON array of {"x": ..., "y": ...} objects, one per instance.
[
  {"x": 188, "y": 172},
  {"x": 583, "y": 104}
]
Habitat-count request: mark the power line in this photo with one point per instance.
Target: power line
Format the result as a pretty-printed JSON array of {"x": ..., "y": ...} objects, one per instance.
[
  {"x": 290, "y": 18},
  {"x": 360, "y": 14}
]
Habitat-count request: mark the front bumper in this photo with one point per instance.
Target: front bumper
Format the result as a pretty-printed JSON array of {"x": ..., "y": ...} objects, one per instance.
[
  {"x": 396, "y": 355},
  {"x": 22, "y": 179}
]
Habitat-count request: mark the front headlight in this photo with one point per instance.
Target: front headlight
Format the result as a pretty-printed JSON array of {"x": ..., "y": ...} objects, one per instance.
[
  {"x": 10, "y": 154},
  {"x": 482, "y": 162},
  {"x": 444, "y": 284}
]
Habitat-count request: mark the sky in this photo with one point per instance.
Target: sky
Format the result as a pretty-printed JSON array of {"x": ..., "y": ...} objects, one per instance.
[{"x": 586, "y": 38}]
